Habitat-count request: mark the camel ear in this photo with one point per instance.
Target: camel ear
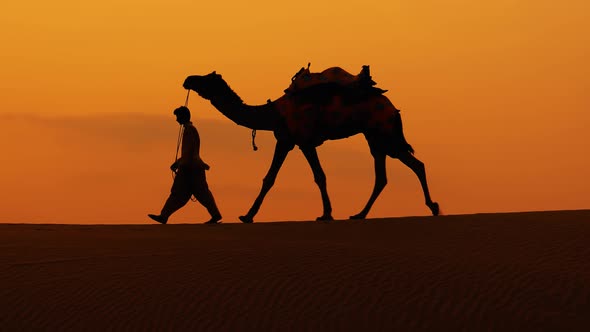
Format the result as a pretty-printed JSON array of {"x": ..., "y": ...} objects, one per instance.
[{"x": 214, "y": 73}]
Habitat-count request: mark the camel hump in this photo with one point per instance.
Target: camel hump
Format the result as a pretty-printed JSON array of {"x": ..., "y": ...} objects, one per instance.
[{"x": 305, "y": 79}]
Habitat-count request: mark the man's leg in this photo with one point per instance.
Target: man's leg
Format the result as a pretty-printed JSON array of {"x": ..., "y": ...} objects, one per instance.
[
  {"x": 205, "y": 197},
  {"x": 179, "y": 196}
]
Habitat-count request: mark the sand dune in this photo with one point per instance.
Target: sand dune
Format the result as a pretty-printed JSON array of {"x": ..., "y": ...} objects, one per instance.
[{"x": 513, "y": 271}]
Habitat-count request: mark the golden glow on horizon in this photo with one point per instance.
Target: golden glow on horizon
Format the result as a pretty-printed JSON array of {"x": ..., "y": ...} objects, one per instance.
[{"x": 488, "y": 91}]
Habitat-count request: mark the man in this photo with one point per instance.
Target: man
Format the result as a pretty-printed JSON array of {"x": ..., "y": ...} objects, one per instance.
[{"x": 190, "y": 174}]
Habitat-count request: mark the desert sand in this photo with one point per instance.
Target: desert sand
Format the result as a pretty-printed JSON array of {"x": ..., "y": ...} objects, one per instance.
[{"x": 498, "y": 272}]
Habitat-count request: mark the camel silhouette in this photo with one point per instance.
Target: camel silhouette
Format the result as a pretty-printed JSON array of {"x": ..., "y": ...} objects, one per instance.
[{"x": 311, "y": 116}]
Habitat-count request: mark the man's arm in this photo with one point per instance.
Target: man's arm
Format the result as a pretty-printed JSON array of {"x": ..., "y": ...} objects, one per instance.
[
  {"x": 191, "y": 143},
  {"x": 188, "y": 151}
]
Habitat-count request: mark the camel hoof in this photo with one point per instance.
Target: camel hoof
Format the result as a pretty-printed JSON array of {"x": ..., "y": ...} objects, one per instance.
[
  {"x": 324, "y": 218},
  {"x": 434, "y": 208},
  {"x": 246, "y": 219},
  {"x": 357, "y": 216}
]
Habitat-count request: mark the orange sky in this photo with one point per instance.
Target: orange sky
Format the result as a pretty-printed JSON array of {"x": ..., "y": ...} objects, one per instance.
[{"x": 494, "y": 99}]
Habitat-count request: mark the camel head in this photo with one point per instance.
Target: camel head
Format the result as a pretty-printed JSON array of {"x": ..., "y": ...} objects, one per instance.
[{"x": 208, "y": 86}]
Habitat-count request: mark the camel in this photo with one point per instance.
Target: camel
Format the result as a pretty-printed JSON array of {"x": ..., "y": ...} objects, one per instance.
[{"x": 310, "y": 119}]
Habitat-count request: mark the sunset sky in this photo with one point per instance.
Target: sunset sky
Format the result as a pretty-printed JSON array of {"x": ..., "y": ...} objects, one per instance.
[{"x": 494, "y": 99}]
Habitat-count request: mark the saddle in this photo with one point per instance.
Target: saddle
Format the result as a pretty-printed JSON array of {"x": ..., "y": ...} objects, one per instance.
[{"x": 334, "y": 76}]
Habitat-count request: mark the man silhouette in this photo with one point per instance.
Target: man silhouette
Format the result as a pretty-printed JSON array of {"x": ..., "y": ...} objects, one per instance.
[{"x": 190, "y": 174}]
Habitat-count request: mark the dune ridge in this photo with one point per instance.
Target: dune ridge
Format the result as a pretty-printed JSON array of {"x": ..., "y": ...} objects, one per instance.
[{"x": 482, "y": 272}]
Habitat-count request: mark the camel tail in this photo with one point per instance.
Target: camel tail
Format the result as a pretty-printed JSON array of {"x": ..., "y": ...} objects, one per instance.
[{"x": 398, "y": 132}]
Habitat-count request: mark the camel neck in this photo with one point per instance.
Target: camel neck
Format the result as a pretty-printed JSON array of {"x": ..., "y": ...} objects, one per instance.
[{"x": 259, "y": 117}]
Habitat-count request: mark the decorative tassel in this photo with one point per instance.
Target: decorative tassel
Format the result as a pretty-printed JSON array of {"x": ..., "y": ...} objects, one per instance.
[{"x": 253, "y": 142}]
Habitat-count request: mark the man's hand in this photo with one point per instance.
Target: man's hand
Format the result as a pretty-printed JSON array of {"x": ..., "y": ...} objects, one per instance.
[
  {"x": 203, "y": 164},
  {"x": 174, "y": 166}
]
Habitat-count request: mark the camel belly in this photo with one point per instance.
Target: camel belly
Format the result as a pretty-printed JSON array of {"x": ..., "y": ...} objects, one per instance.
[{"x": 312, "y": 124}]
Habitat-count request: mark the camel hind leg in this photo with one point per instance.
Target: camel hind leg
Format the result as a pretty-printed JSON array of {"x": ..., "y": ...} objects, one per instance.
[{"x": 418, "y": 167}]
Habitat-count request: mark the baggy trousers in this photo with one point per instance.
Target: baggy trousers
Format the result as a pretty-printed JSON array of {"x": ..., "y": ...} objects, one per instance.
[{"x": 189, "y": 181}]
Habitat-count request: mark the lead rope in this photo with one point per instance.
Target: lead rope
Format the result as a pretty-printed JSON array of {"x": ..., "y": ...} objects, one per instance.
[
  {"x": 180, "y": 132},
  {"x": 188, "y": 91},
  {"x": 179, "y": 141}
]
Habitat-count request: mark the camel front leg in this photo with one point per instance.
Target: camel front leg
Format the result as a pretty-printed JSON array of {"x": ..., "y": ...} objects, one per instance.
[
  {"x": 380, "y": 182},
  {"x": 320, "y": 179},
  {"x": 281, "y": 151}
]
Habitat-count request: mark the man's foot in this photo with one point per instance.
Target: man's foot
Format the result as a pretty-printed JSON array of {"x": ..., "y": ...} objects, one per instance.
[
  {"x": 214, "y": 220},
  {"x": 161, "y": 219}
]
